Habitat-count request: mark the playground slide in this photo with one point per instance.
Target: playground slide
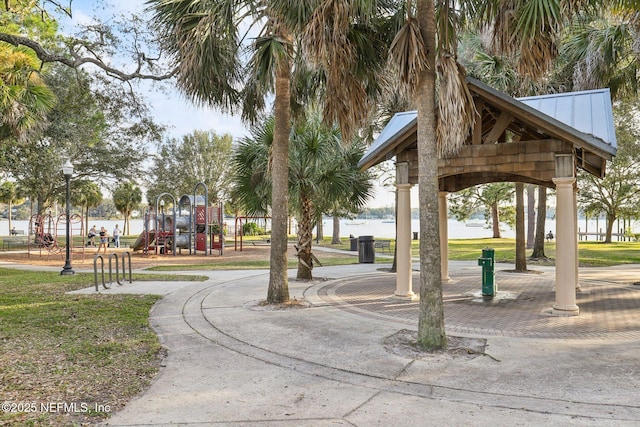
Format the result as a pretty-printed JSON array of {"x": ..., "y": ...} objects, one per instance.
[{"x": 140, "y": 241}]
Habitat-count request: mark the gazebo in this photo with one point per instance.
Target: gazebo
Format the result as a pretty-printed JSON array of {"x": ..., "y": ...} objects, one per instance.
[{"x": 540, "y": 140}]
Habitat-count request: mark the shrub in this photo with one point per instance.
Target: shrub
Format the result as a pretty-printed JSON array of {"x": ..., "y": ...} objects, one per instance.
[{"x": 252, "y": 229}]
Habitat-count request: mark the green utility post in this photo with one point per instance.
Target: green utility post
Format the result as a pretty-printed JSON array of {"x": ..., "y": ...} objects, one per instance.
[{"x": 488, "y": 272}]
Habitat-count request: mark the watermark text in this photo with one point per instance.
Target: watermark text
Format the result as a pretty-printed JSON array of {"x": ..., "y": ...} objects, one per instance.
[{"x": 54, "y": 407}]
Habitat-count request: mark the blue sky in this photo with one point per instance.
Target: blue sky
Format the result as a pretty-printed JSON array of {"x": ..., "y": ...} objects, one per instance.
[
  {"x": 172, "y": 109},
  {"x": 169, "y": 107}
]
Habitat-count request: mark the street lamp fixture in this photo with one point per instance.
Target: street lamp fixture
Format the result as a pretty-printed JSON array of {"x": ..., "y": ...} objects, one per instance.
[{"x": 67, "y": 170}]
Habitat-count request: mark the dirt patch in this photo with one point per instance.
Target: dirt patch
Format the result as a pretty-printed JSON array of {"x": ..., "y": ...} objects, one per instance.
[
  {"x": 292, "y": 304},
  {"x": 404, "y": 344}
]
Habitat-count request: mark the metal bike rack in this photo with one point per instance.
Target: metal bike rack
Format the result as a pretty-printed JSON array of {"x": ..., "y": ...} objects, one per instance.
[
  {"x": 112, "y": 256},
  {"x": 95, "y": 271},
  {"x": 126, "y": 255}
]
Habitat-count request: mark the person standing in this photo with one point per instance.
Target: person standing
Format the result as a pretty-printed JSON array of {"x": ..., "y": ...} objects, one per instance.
[
  {"x": 92, "y": 236},
  {"x": 104, "y": 240},
  {"x": 116, "y": 236}
]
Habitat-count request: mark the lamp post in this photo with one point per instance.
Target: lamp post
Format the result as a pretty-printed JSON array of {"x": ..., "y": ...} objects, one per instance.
[{"x": 67, "y": 170}]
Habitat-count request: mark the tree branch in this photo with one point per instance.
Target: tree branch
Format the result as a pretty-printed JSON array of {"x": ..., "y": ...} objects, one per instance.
[{"x": 76, "y": 60}]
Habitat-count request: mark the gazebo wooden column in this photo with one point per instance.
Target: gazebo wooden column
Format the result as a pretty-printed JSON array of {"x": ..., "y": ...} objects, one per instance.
[
  {"x": 403, "y": 243},
  {"x": 566, "y": 256}
]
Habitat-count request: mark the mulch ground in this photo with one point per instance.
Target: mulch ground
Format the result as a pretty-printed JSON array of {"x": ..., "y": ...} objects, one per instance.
[{"x": 138, "y": 259}]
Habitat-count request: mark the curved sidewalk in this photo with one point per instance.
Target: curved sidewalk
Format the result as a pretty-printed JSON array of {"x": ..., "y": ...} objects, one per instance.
[{"x": 232, "y": 362}]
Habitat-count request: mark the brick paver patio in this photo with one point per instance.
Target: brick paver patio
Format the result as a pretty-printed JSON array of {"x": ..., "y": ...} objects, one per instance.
[{"x": 608, "y": 309}]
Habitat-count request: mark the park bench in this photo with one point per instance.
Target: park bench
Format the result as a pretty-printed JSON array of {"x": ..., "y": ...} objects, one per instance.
[
  {"x": 15, "y": 232},
  {"x": 383, "y": 244},
  {"x": 13, "y": 243}
]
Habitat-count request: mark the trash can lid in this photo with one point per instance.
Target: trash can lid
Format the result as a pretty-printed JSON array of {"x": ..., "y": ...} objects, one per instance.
[{"x": 365, "y": 238}]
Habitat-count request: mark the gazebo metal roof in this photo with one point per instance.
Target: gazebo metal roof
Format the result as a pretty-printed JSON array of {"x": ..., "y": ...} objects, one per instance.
[{"x": 583, "y": 119}]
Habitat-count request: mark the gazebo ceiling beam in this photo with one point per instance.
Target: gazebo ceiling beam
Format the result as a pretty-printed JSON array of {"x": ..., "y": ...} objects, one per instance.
[{"x": 502, "y": 123}]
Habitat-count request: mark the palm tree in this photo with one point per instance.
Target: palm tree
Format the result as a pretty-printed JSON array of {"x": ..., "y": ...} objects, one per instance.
[
  {"x": 127, "y": 197},
  {"x": 252, "y": 181},
  {"x": 526, "y": 30},
  {"x": 25, "y": 99},
  {"x": 431, "y": 332},
  {"x": 322, "y": 173},
  {"x": 602, "y": 52},
  {"x": 205, "y": 40}
]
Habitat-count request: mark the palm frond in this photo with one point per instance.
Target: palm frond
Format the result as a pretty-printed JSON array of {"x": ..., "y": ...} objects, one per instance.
[
  {"x": 456, "y": 109},
  {"x": 201, "y": 36},
  {"x": 342, "y": 40},
  {"x": 408, "y": 53}
]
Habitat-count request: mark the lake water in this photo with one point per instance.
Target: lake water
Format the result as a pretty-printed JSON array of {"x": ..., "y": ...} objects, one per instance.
[
  {"x": 372, "y": 227},
  {"x": 386, "y": 229},
  {"x": 456, "y": 229}
]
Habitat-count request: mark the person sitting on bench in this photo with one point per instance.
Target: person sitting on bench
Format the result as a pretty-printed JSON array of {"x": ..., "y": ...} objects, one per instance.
[{"x": 549, "y": 236}]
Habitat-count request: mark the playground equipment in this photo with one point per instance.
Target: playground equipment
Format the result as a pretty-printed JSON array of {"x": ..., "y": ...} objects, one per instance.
[
  {"x": 189, "y": 224},
  {"x": 45, "y": 231},
  {"x": 239, "y": 225}
]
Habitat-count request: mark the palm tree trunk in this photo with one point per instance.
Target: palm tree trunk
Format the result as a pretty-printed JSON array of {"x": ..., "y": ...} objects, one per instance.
[
  {"x": 538, "y": 244},
  {"x": 278, "y": 280},
  {"x": 305, "y": 237},
  {"x": 431, "y": 332},
  {"x": 531, "y": 215},
  {"x": 521, "y": 249},
  {"x": 336, "y": 231}
]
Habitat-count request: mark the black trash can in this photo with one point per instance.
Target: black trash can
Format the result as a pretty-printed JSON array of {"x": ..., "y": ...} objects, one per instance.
[
  {"x": 354, "y": 243},
  {"x": 366, "y": 250}
]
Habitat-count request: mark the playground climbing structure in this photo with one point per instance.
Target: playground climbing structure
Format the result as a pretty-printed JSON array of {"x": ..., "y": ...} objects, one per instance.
[
  {"x": 188, "y": 224},
  {"x": 47, "y": 234}
]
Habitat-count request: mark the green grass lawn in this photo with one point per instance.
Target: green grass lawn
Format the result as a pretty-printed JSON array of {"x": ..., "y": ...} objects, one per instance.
[
  {"x": 591, "y": 253},
  {"x": 471, "y": 249},
  {"x": 219, "y": 264},
  {"x": 94, "y": 350}
]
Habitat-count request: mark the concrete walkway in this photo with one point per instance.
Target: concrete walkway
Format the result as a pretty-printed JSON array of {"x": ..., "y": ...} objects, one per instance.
[{"x": 341, "y": 361}]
